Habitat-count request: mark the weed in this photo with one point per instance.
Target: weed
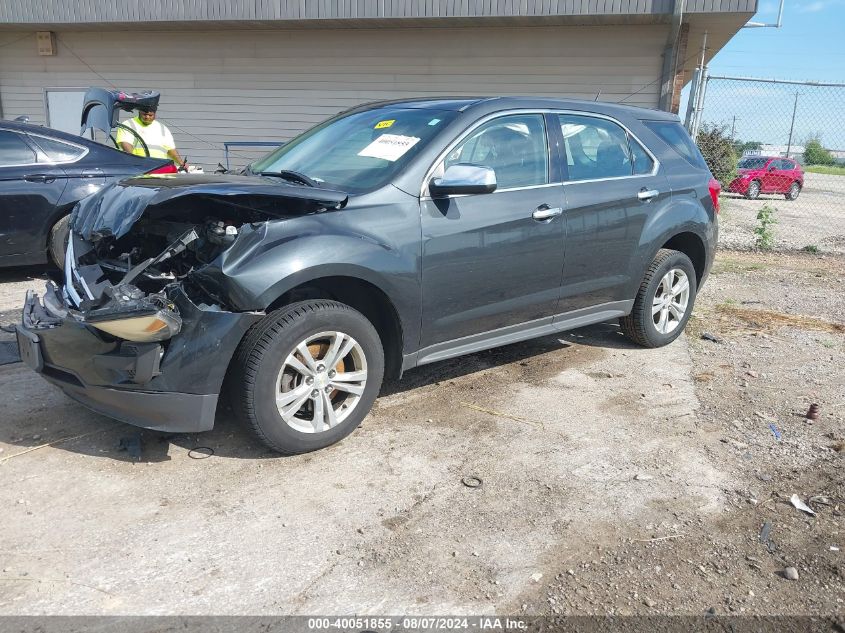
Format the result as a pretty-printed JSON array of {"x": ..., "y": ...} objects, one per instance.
[
  {"x": 764, "y": 230},
  {"x": 724, "y": 265},
  {"x": 811, "y": 248}
]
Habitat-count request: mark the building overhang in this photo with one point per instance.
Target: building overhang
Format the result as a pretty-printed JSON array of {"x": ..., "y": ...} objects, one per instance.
[{"x": 273, "y": 14}]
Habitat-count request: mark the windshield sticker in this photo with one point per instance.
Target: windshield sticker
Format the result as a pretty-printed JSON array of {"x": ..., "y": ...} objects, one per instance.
[
  {"x": 383, "y": 124},
  {"x": 434, "y": 122},
  {"x": 389, "y": 147}
]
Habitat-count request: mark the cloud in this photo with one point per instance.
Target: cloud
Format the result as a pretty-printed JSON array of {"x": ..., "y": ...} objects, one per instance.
[{"x": 813, "y": 7}]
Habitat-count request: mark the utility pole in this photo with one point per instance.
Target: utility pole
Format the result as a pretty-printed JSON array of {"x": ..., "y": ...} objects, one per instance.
[
  {"x": 733, "y": 127},
  {"x": 792, "y": 125}
]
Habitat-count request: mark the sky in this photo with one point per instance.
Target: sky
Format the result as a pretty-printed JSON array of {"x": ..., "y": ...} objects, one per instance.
[{"x": 809, "y": 46}]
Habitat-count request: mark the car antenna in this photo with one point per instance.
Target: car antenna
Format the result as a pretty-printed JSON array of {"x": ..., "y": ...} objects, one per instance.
[{"x": 598, "y": 94}]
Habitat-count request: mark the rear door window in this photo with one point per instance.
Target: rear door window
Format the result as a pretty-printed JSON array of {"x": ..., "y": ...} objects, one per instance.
[
  {"x": 677, "y": 138},
  {"x": 643, "y": 163},
  {"x": 14, "y": 150},
  {"x": 595, "y": 148}
]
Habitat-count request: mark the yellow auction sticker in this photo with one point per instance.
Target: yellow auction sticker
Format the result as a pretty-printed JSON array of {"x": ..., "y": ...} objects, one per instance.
[{"x": 383, "y": 124}]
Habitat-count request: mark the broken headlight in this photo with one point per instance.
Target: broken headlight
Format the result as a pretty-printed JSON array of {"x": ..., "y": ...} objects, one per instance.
[{"x": 143, "y": 329}]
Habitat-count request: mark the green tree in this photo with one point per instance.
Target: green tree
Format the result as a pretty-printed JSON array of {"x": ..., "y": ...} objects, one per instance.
[
  {"x": 816, "y": 154},
  {"x": 718, "y": 150}
]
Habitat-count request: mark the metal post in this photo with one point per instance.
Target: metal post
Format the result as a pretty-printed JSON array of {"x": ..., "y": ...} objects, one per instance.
[
  {"x": 792, "y": 125},
  {"x": 698, "y": 103},
  {"x": 702, "y": 93},
  {"x": 733, "y": 127},
  {"x": 693, "y": 98},
  {"x": 776, "y": 25}
]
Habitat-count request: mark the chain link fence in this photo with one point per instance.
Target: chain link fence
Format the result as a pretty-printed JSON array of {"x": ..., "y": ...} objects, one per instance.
[{"x": 778, "y": 149}]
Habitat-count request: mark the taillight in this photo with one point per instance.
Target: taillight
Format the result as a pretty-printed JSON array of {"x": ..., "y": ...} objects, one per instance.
[
  {"x": 170, "y": 168},
  {"x": 715, "y": 189}
]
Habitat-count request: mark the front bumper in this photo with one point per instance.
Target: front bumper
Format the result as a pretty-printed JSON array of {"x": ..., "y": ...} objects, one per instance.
[
  {"x": 739, "y": 185},
  {"x": 170, "y": 386}
]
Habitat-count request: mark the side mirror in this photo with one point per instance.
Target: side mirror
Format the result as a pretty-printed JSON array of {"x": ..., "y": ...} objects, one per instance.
[{"x": 463, "y": 179}]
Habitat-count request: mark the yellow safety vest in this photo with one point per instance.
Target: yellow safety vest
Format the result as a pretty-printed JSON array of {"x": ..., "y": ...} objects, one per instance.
[{"x": 158, "y": 138}]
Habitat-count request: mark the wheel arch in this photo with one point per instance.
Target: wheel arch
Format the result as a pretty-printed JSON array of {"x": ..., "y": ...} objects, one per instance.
[
  {"x": 691, "y": 245},
  {"x": 364, "y": 296}
]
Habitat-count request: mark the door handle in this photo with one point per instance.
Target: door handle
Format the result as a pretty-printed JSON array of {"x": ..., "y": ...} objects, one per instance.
[
  {"x": 39, "y": 178},
  {"x": 545, "y": 212},
  {"x": 647, "y": 194}
]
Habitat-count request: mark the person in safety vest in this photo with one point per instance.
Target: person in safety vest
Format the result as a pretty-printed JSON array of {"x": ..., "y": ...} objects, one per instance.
[{"x": 158, "y": 138}]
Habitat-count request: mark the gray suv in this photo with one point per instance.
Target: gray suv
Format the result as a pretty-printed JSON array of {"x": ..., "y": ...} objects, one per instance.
[{"x": 393, "y": 235}]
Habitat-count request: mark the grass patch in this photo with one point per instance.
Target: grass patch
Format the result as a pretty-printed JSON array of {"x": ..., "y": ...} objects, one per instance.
[
  {"x": 830, "y": 170},
  {"x": 724, "y": 265},
  {"x": 811, "y": 248},
  {"x": 770, "y": 320}
]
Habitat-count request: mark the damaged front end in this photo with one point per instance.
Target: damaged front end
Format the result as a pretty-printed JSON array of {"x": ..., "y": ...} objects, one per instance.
[{"x": 138, "y": 329}]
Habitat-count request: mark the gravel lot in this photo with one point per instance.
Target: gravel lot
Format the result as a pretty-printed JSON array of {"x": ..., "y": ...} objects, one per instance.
[
  {"x": 615, "y": 480},
  {"x": 816, "y": 218}
]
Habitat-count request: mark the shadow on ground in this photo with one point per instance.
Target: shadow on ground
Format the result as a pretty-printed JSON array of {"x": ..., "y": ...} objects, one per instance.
[{"x": 99, "y": 436}]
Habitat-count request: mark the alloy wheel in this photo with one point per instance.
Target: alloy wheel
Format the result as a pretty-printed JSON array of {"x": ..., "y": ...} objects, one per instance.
[
  {"x": 671, "y": 300},
  {"x": 753, "y": 190},
  {"x": 321, "y": 382}
]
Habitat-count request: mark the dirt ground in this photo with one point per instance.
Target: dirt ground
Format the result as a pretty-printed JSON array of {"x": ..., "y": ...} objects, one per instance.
[{"x": 615, "y": 480}]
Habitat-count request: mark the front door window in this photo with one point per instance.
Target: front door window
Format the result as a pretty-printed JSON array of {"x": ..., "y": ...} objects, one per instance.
[{"x": 513, "y": 146}]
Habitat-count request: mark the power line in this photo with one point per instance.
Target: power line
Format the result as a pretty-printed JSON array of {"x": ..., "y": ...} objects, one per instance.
[
  {"x": 105, "y": 79},
  {"x": 658, "y": 80},
  {"x": 15, "y": 41}
]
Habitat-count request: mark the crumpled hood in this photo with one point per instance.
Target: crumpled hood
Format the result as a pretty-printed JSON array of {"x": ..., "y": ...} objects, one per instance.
[{"x": 115, "y": 208}]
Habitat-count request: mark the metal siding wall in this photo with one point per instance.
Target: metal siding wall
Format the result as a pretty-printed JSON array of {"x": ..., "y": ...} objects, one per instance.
[
  {"x": 262, "y": 85},
  {"x": 120, "y": 11}
]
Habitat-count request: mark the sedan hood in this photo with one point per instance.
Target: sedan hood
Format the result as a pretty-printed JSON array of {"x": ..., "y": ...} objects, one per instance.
[{"x": 115, "y": 208}]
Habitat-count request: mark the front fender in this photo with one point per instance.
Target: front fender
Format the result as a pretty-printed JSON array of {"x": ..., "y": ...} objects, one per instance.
[{"x": 271, "y": 258}]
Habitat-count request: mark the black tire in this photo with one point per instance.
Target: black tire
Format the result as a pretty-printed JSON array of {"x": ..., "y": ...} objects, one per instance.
[
  {"x": 57, "y": 244},
  {"x": 794, "y": 190},
  {"x": 257, "y": 364},
  {"x": 753, "y": 191},
  {"x": 639, "y": 326}
]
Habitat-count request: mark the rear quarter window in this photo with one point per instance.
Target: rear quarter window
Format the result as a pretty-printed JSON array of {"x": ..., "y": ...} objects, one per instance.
[
  {"x": 676, "y": 137},
  {"x": 56, "y": 151}
]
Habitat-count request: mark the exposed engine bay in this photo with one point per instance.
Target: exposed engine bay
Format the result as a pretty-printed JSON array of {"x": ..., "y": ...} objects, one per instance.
[{"x": 132, "y": 244}]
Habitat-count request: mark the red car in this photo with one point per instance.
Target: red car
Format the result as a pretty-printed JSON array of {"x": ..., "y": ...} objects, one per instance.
[{"x": 767, "y": 174}]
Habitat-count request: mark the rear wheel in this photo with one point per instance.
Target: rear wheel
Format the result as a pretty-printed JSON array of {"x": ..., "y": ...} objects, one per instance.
[
  {"x": 307, "y": 375},
  {"x": 753, "y": 191},
  {"x": 794, "y": 190},
  {"x": 664, "y": 302},
  {"x": 57, "y": 244}
]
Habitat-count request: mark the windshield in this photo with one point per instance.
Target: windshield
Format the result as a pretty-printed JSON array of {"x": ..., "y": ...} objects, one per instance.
[
  {"x": 752, "y": 163},
  {"x": 358, "y": 152}
]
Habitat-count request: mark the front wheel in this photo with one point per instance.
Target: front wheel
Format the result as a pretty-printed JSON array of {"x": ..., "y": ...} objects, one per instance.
[
  {"x": 753, "y": 191},
  {"x": 307, "y": 375},
  {"x": 664, "y": 302}
]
